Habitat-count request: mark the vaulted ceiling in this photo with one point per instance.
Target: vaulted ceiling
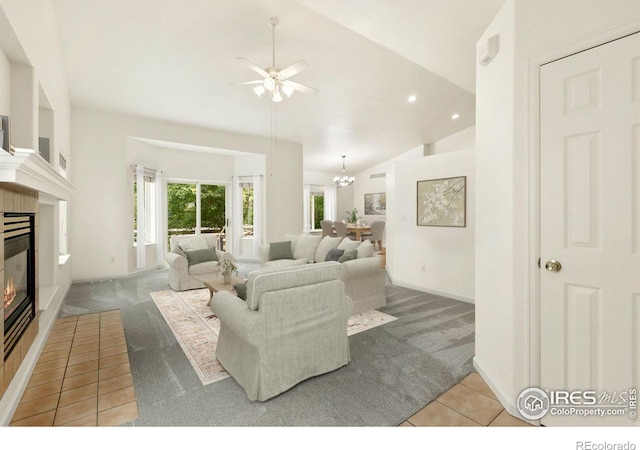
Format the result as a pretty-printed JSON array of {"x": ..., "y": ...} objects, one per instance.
[{"x": 174, "y": 60}]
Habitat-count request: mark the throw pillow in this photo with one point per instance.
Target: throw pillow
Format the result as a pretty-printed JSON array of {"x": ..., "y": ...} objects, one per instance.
[
  {"x": 294, "y": 240},
  {"x": 306, "y": 247},
  {"x": 365, "y": 250},
  {"x": 200, "y": 256},
  {"x": 194, "y": 243},
  {"x": 334, "y": 254},
  {"x": 241, "y": 290},
  {"x": 348, "y": 256},
  {"x": 280, "y": 250},
  {"x": 349, "y": 244},
  {"x": 327, "y": 243}
]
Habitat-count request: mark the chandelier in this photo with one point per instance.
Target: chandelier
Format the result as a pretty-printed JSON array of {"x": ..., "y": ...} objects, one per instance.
[{"x": 343, "y": 180}]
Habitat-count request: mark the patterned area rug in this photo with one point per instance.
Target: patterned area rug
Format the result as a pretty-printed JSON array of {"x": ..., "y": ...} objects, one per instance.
[{"x": 196, "y": 329}]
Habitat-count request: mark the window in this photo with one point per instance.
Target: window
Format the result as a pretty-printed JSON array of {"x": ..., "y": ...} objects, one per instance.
[
  {"x": 319, "y": 204},
  {"x": 247, "y": 208},
  {"x": 195, "y": 208},
  {"x": 316, "y": 209},
  {"x": 149, "y": 209}
]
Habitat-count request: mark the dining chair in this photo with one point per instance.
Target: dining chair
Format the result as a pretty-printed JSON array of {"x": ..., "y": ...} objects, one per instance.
[
  {"x": 341, "y": 228},
  {"x": 377, "y": 228},
  {"x": 327, "y": 228}
]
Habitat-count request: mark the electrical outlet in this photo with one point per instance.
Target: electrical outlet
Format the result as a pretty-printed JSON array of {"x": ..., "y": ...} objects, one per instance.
[{"x": 423, "y": 268}]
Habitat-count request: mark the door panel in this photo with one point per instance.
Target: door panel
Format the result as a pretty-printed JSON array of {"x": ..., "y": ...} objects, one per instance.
[{"x": 590, "y": 222}]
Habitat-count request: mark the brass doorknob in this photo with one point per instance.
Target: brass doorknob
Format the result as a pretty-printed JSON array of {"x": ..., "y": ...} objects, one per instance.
[{"x": 553, "y": 266}]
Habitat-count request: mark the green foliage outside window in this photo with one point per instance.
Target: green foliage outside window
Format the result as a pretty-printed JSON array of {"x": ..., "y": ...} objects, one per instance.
[
  {"x": 247, "y": 206},
  {"x": 181, "y": 206},
  {"x": 318, "y": 210}
]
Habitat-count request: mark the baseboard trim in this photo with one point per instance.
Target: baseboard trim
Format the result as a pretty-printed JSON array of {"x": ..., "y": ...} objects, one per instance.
[
  {"x": 462, "y": 298},
  {"x": 510, "y": 407},
  {"x": 125, "y": 275}
]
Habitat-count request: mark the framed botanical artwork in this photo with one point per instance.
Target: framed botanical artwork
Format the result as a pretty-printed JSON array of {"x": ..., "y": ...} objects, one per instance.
[
  {"x": 442, "y": 202},
  {"x": 375, "y": 204}
]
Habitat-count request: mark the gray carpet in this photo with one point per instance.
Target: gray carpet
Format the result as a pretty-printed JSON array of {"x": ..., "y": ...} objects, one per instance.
[{"x": 395, "y": 370}]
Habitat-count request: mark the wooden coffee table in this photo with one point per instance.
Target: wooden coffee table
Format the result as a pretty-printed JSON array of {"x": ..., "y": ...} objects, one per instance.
[{"x": 219, "y": 285}]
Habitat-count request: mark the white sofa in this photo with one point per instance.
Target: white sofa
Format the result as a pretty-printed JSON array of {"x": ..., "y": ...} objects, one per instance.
[
  {"x": 293, "y": 326},
  {"x": 364, "y": 278},
  {"x": 182, "y": 275}
]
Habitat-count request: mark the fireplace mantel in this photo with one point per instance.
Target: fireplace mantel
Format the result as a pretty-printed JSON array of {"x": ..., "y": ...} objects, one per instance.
[{"x": 26, "y": 168}]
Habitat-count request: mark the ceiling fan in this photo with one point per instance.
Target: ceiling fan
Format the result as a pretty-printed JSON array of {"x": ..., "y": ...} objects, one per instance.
[{"x": 276, "y": 81}]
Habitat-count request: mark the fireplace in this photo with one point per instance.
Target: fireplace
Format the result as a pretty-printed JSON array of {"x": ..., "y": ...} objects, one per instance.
[{"x": 19, "y": 277}]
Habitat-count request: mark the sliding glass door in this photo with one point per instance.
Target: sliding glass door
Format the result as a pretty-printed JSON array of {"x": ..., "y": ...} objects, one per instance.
[{"x": 195, "y": 208}]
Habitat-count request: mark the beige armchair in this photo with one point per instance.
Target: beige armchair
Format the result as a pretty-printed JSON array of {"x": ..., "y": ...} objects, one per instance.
[
  {"x": 182, "y": 275},
  {"x": 293, "y": 326}
]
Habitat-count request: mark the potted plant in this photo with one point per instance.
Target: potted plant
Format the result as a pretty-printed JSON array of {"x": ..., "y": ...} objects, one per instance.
[
  {"x": 352, "y": 216},
  {"x": 228, "y": 267}
]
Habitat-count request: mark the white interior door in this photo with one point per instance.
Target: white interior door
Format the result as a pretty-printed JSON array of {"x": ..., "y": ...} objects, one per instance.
[{"x": 590, "y": 223}]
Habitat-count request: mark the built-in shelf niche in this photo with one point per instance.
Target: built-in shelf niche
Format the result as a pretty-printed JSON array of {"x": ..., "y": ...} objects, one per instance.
[
  {"x": 24, "y": 106},
  {"x": 46, "y": 128}
]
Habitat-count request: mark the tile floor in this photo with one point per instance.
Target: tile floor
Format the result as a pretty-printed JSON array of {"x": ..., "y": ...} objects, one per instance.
[
  {"x": 470, "y": 403},
  {"x": 82, "y": 377}
]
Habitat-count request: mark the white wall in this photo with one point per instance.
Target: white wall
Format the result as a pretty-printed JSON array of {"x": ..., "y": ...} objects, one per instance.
[
  {"x": 408, "y": 246},
  {"x": 35, "y": 26},
  {"x": 101, "y": 211},
  {"x": 317, "y": 178},
  {"x": 345, "y": 201},
  {"x": 495, "y": 210},
  {"x": 249, "y": 165},
  {"x": 506, "y": 99},
  {"x": 446, "y": 253},
  {"x": 462, "y": 139},
  {"x": 5, "y": 85}
]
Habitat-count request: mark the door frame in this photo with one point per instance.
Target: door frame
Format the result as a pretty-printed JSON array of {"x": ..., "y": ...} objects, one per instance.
[{"x": 534, "y": 181}]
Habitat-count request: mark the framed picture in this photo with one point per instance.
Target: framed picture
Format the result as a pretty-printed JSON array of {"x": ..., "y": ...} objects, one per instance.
[
  {"x": 375, "y": 204},
  {"x": 442, "y": 202}
]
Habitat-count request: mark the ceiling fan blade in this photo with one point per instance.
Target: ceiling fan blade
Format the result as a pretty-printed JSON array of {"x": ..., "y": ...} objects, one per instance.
[
  {"x": 293, "y": 69},
  {"x": 244, "y": 83},
  {"x": 300, "y": 87},
  {"x": 251, "y": 65}
]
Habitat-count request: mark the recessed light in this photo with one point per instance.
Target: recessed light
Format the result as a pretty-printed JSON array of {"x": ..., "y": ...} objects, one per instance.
[
  {"x": 412, "y": 98},
  {"x": 455, "y": 116}
]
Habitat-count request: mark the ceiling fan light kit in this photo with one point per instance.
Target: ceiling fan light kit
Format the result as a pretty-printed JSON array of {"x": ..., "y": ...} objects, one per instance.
[{"x": 276, "y": 81}]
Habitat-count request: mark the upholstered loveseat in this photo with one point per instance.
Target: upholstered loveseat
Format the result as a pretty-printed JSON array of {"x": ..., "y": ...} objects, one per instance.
[
  {"x": 292, "y": 326},
  {"x": 190, "y": 273},
  {"x": 363, "y": 277}
]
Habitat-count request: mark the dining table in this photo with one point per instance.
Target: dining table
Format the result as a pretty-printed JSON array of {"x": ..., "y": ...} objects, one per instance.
[{"x": 358, "y": 230}]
